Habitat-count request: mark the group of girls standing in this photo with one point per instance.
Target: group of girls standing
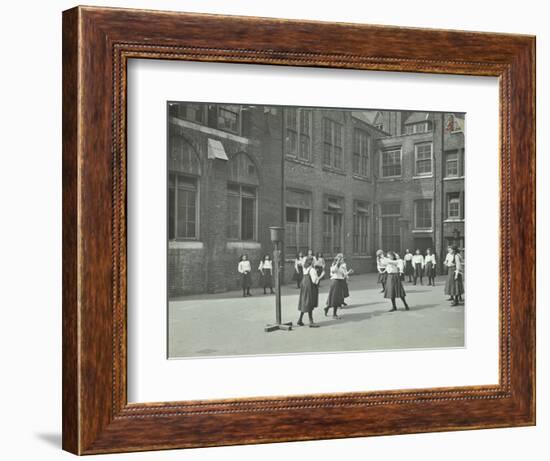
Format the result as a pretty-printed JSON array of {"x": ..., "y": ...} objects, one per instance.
[
  {"x": 418, "y": 265},
  {"x": 454, "y": 286},
  {"x": 312, "y": 274},
  {"x": 318, "y": 263},
  {"x": 265, "y": 270}
]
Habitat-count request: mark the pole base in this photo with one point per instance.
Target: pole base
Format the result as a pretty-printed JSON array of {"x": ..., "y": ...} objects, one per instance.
[{"x": 278, "y": 326}]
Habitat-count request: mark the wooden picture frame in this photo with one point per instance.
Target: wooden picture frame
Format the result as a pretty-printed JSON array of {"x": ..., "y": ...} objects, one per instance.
[{"x": 97, "y": 44}]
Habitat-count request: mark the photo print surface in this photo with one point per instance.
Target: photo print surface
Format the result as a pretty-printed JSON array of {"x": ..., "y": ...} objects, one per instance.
[{"x": 312, "y": 230}]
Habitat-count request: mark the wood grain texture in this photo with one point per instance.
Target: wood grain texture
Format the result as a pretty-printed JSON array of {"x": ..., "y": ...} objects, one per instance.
[{"x": 97, "y": 43}]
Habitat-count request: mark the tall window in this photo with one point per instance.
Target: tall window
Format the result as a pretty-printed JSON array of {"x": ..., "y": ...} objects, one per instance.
[
  {"x": 452, "y": 164},
  {"x": 332, "y": 146},
  {"x": 182, "y": 204},
  {"x": 423, "y": 214},
  {"x": 298, "y": 221},
  {"x": 241, "y": 212},
  {"x": 183, "y": 188},
  {"x": 360, "y": 227},
  {"x": 423, "y": 159},
  {"x": 360, "y": 152},
  {"x": 298, "y": 132},
  {"x": 453, "y": 206},
  {"x": 228, "y": 118},
  {"x": 332, "y": 226},
  {"x": 390, "y": 163},
  {"x": 390, "y": 213}
]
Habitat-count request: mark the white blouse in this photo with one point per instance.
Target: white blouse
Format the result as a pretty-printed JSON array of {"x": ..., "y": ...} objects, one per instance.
[
  {"x": 430, "y": 258},
  {"x": 392, "y": 265},
  {"x": 268, "y": 264},
  {"x": 312, "y": 274},
  {"x": 408, "y": 257},
  {"x": 244, "y": 266},
  {"x": 338, "y": 273},
  {"x": 418, "y": 259}
]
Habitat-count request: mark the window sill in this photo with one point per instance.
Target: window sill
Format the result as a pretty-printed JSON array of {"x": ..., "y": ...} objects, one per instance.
[
  {"x": 334, "y": 170},
  {"x": 243, "y": 245},
  {"x": 361, "y": 178},
  {"x": 390, "y": 178},
  {"x": 299, "y": 161},
  {"x": 430, "y": 176},
  {"x": 451, "y": 220},
  {"x": 185, "y": 245},
  {"x": 453, "y": 178},
  {"x": 422, "y": 231}
]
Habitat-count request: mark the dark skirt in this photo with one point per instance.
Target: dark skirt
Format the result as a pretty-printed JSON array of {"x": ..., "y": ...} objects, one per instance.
[
  {"x": 309, "y": 295},
  {"x": 382, "y": 277},
  {"x": 454, "y": 287},
  {"x": 266, "y": 279},
  {"x": 430, "y": 270},
  {"x": 245, "y": 280},
  {"x": 418, "y": 271},
  {"x": 394, "y": 287},
  {"x": 346, "y": 289},
  {"x": 409, "y": 269},
  {"x": 336, "y": 293},
  {"x": 298, "y": 275}
]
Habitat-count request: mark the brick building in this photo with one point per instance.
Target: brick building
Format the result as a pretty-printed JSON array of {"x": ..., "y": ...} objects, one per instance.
[{"x": 337, "y": 180}]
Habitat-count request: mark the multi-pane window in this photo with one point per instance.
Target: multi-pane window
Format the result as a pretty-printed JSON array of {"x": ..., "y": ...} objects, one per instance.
[
  {"x": 390, "y": 163},
  {"x": 423, "y": 214},
  {"x": 332, "y": 144},
  {"x": 451, "y": 164},
  {"x": 453, "y": 206},
  {"x": 360, "y": 152},
  {"x": 228, "y": 118},
  {"x": 298, "y": 132},
  {"x": 422, "y": 127},
  {"x": 241, "y": 212},
  {"x": 390, "y": 213},
  {"x": 297, "y": 230},
  {"x": 423, "y": 159},
  {"x": 182, "y": 207},
  {"x": 298, "y": 221},
  {"x": 360, "y": 227},
  {"x": 332, "y": 226}
]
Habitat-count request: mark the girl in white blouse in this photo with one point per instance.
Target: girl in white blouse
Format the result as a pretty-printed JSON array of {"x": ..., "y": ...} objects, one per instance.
[
  {"x": 429, "y": 267},
  {"x": 245, "y": 269},
  {"x": 418, "y": 265},
  {"x": 266, "y": 273}
]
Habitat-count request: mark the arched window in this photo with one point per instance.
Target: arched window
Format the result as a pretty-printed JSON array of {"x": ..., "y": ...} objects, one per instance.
[
  {"x": 243, "y": 182},
  {"x": 184, "y": 171}
]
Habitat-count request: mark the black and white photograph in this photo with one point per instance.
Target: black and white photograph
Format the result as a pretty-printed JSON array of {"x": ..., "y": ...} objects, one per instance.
[{"x": 312, "y": 230}]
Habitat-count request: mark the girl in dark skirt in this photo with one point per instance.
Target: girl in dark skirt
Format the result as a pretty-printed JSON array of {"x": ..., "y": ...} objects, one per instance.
[
  {"x": 381, "y": 267},
  {"x": 245, "y": 269},
  {"x": 336, "y": 291},
  {"x": 266, "y": 274},
  {"x": 394, "y": 286},
  {"x": 418, "y": 264},
  {"x": 409, "y": 269},
  {"x": 309, "y": 293},
  {"x": 454, "y": 287},
  {"x": 429, "y": 267},
  {"x": 298, "y": 269},
  {"x": 319, "y": 265}
]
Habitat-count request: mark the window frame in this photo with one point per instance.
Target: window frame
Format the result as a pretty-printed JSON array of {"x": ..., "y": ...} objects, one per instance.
[
  {"x": 296, "y": 128},
  {"x": 176, "y": 188},
  {"x": 327, "y": 121},
  {"x": 454, "y": 197},
  {"x": 416, "y": 159},
  {"x": 299, "y": 212},
  {"x": 255, "y": 222},
  {"x": 457, "y": 153},
  {"x": 363, "y": 159},
  {"x": 385, "y": 151},
  {"x": 239, "y": 118},
  {"x": 393, "y": 216},
  {"x": 431, "y": 214}
]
